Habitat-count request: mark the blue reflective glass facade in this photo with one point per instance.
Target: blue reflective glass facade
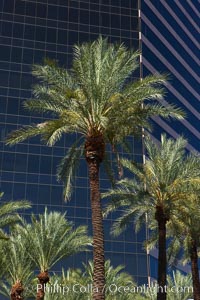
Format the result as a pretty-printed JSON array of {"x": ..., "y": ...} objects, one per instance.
[
  {"x": 170, "y": 44},
  {"x": 29, "y": 31}
]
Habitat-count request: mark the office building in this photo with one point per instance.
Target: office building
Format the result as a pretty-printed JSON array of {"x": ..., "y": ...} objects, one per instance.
[
  {"x": 33, "y": 29},
  {"x": 29, "y": 31},
  {"x": 170, "y": 40}
]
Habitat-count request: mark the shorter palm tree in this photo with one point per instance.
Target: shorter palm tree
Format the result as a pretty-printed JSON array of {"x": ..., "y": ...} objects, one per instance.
[
  {"x": 52, "y": 237},
  {"x": 9, "y": 216},
  {"x": 19, "y": 267}
]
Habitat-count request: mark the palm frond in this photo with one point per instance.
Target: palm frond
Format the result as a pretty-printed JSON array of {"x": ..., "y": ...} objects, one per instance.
[
  {"x": 53, "y": 130},
  {"x": 43, "y": 105},
  {"x": 123, "y": 222},
  {"x": 135, "y": 168},
  {"x": 13, "y": 206},
  {"x": 23, "y": 133},
  {"x": 51, "y": 74},
  {"x": 67, "y": 169},
  {"x": 169, "y": 111},
  {"x": 9, "y": 215}
]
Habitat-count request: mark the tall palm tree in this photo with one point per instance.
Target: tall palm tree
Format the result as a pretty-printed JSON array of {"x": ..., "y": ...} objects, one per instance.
[
  {"x": 52, "y": 237},
  {"x": 9, "y": 214},
  {"x": 98, "y": 100},
  {"x": 157, "y": 189}
]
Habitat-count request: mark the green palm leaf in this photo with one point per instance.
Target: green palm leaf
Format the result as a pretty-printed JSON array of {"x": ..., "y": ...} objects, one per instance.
[{"x": 67, "y": 169}]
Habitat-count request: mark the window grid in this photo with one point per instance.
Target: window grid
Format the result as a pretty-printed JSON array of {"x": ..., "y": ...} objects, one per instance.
[{"x": 30, "y": 31}]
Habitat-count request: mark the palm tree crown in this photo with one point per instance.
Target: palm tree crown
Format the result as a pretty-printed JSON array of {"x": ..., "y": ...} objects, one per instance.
[{"x": 96, "y": 98}]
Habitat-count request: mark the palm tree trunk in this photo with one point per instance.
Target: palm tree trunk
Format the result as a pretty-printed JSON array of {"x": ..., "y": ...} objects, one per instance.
[
  {"x": 94, "y": 154},
  {"x": 195, "y": 270},
  {"x": 16, "y": 291},
  {"x": 162, "y": 256},
  {"x": 43, "y": 279}
]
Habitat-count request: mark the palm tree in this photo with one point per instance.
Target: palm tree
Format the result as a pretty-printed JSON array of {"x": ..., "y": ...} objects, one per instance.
[
  {"x": 18, "y": 267},
  {"x": 156, "y": 190},
  {"x": 8, "y": 217},
  {"x": 52, "y": 237},
  {"x": 98, "y": 100},
  {"x": 9, "y": 214},
  {"x": 184, "y": 228}
]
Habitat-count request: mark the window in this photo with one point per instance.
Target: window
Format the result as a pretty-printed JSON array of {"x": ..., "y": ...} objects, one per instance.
[
  {"x": 45, "y": 165},
  {"x": 13, "y": 105},
  {"x": 33, "y": 163},
  {"x": 51, "y": 35},
  {"x": 16, "y": 54},
  {"x": 73, "y": 15},
  {"x": 31, "y": 9},
  {"x": 29, "y": 32},
  {"x": 40, "y": 33},
  {"x": 28, "y": 56},
  {"x": 63, "y": 13},
  {"x": 8, "y": 161},
  {"x": 84, "y": 16},
  {"x": 94, "y": 18},
  {"x": 62, "y": 36},
  {"x": 20, "y": 162},
  {"x": 20, "y": 7},
  {"x": 6, "y": 28},
  {"x": 41, "y": 10},
  {"x": 9, "y": 6},
  {"x": 5, "y": 53},
  {"x": 18, "y": 30},
  {"x": 52, "y": 12}
]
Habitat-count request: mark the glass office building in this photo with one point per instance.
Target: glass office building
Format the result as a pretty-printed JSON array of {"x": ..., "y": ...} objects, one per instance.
[
  {"x": 170, "y": 43},
  {"x": 29, "y": 31}
]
